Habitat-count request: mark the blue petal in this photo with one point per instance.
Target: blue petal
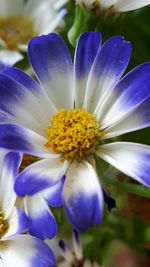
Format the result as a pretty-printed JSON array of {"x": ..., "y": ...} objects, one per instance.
[
  {"x": 86, "y": 51},
  {"x": 131, "y": 91},
  {"x": 137, "y": 119},
  {"x": 88, "y": 45},
  {"x": 44, "y": 255},
  {"x": 39, "y": 176},
  {"x": 84, "y": 211},
  {"x": 11, "y": 93},
  {"x": 52, "y": 63},
  {"x": 11, "y": 163},
  {"x": 20, "y": 76},
  {"x": 82, "y": 197},
  {"x": 24, "y": 101},
  {"x": 16, "y": 138},
  {"x": 110, "y": 63},
  {"x": 53, "y": 195},
  {"x": 42, "y": 222}
]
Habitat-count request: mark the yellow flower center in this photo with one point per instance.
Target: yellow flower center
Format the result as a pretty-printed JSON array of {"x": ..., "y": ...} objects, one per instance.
[
  {"x": 3, "y": 225},
  {"x": 73, "y": 133},
  {"x": 16, "y": 30}
]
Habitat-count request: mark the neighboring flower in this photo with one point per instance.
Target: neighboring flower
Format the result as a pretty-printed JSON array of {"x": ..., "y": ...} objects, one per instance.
[
  {"x": 15, "y": 248},
  {"x": 117, "y": 6},
  {"x": 20, "y": 21},
  {"x": 74, "y": 258},
  {"x": 66, "y": 120}
]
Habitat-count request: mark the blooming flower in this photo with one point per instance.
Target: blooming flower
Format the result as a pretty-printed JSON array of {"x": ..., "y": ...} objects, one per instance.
[
  {"x": 20, "y": 21},
  {"x": 114, "y": 5},
  {"x": 66, "y": 119},
  {"x": 22, "y": 250}
]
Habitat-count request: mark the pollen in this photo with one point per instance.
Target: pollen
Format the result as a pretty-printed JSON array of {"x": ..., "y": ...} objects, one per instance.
[
  {"x": 3, "y": 225},
  {"x": 15, "y": 31},
  {"x": 73, "y": 133}
]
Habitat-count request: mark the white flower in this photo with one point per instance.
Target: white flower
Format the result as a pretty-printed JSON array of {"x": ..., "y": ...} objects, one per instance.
[
  {"x": 20, "y": 21},
  {"x": 115, "y": 5},
  {"x": 70, "y": 115},
  {"x": 16, "y": 248}
]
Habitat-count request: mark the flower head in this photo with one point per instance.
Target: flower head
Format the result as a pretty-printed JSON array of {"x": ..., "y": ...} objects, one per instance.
[
  {"x": 20, "y": 21},
  {"x": 23, "y": 250},
  {"x": 66, "y": 118}
]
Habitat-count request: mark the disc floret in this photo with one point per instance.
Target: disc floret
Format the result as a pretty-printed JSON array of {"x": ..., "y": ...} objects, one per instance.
[{"x": 73, "y": 133}]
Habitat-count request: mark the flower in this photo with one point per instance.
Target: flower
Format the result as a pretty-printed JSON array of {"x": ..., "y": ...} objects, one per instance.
[
  {"x": 66, "y": 118},
  {"x": 75, "y": 257},
  {"x": 20, "y": 21},
  {"x": 22, "y": 250},
  {"x": 113, "y": 5}
]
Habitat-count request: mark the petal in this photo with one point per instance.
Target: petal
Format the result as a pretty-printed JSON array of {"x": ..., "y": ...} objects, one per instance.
[
  {"x": 23, "y": 100},
  {"x": 53, "y": 195},
  {"x": 86, "y": 51},
  {"x": 127, "y": 95},
  {"x": 39, "y": 176},
  {"x": 8, "y": 170},
  {"x": 3, "y": 66},
  {"x": 127, "y": 5},
  {"x": 110, "y": 63},
  {"x": 130, "y": 158},
  {"x": 26, "y": 251},
  {"x": 42, "y": 221},
  {"x": 18, "y": 223},
  {"x": 77, "y": 246},
  {"x": 47, "y": 23},
  {"x": 137, "y": 119},
  {"x": 52, "y": 64},
  {"x": 82, "y": 196},
  {"x": 9, "y": 57},
  {"x": 66, "y": 252},
  {"x": 111, "y": 203},
  {"x": 13, "y": 7},
  {"x": 20, "y": 139},
  {"x": 59, "y": 3},
  {"x": 56, "y": 22}
]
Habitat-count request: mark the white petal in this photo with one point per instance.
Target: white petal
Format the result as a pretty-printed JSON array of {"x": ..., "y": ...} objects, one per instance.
[
  {"x": 59, "y": 3},
  {"x": 8, "y": 170},
  {"x": 9, "y": 57},
  {"x": 127, "y": 5},
  {"x": 130, "y": 158}
]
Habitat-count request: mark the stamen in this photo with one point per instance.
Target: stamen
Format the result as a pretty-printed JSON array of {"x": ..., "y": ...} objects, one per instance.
[
  {"x": 73, "y": 133},
  {"x": 3, "y": 225},
  {"x": 16, "y": 30}
]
